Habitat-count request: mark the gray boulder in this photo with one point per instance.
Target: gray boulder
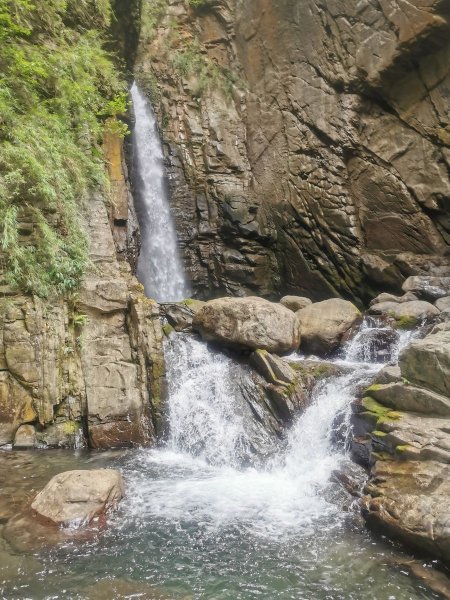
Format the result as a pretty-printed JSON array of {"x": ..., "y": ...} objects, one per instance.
[
  {"x": 295, "y": 303},
  {"x": 385, "y": 297},
  {"x": 443, "y": 304},
  {"x": 407, "y": 314},
  {"x": 426, "y": 362},
  {"x": 324, "y": 324},
  {"x": 428, "y": 287},
  {"x": 76, "y": 497},
  {"x": 249, "y": 323}
]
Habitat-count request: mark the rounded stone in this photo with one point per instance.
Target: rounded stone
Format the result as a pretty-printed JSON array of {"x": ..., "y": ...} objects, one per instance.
[
  {"x": 323, "y": 324},
  {"x": 25, "y": 437},
  {"x": 295, "y": 303},
  {"x": 76, "y": 497},
  {"x": 249, "y": 323}
]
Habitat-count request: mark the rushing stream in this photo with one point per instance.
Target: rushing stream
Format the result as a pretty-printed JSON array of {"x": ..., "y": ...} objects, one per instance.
[
  {"x": 199, "y": 521},
  {"x": 196, "y": 525}
]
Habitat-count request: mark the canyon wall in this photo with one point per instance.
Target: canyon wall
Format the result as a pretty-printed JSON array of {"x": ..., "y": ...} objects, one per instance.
[
  {"x": 87, "y": 369},
  {"x": 307, "y": 143}
]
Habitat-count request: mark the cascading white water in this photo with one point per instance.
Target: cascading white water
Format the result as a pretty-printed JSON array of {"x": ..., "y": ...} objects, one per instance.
[
  {"x": 159, "y": 265},
  {"x": 197, "y": 496},
  {"x": 203, "y": 415},
  {"x": 208, "y": 435},
  {"x": 209, "y": 415}
]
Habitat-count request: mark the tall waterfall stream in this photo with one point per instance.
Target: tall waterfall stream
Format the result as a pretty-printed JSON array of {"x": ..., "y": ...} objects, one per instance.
[
  {"x": 159, "y": 266},
  {"x": 197, "y": 521}
]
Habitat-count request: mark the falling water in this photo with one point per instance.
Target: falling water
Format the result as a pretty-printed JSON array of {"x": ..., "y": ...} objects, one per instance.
[
  {"x": 209, "y": 433},
  {"x": 159, "y": 266},
  {"x": 196, "y": 524}
]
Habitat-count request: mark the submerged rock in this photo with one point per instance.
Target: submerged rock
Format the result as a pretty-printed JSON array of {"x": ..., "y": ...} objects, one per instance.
[
  {"x": 324, "y": 324},
  {"x": 249, "y": 323},
  {"x": 76, "y": 497}
]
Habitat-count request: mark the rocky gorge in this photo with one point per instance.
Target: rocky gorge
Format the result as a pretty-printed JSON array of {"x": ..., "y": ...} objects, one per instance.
[{"x": 304, "y": 155}]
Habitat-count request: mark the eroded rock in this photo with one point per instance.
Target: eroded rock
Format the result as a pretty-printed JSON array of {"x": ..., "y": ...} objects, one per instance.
[
  {"x": 410, "y": 501},
  {"x": 426, "y": 362}
]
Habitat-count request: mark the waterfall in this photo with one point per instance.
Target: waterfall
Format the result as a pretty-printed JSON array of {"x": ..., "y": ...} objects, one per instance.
[
  {"x": 211, "y": 405},
  {"x": 159, "y": 265},
  {"x": 205, "y": 481}
]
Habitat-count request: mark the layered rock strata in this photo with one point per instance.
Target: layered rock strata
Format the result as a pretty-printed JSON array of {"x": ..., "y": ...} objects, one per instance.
[
  {"x": 88, "y": 369},
  {"x": 402, "y": 427}
]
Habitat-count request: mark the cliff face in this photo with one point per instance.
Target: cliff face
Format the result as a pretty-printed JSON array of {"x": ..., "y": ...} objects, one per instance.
[
  {"x": 88, "y": 369},
  {"x": 307, "y": 142}
]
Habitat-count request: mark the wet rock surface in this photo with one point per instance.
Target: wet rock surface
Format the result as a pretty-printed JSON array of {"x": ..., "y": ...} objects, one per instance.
[
  {"x": 409, "y": 500},
  {"x": 401, "y": 430},
  {"x": 313, "y": 161},
  {"x": 74, "y": 498},
  {"x": 407, "y": 314}
]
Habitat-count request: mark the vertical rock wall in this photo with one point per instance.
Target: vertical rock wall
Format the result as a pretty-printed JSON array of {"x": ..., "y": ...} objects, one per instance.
[
  {"x": 307, "y": 142},
  {"x": 88, "y": 369}
]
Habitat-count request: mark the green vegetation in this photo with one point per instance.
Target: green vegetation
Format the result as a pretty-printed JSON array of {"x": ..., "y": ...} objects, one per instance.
[
  {"x": 58, "y": 89},
  {"x": 168, "y": 329},
  {"x": 405, "y": 322},
  {"x": 199, "y": 3},
  {"x": 187, "y": 55},
  {"x": 378, "y": 433},
  {"x": 191, "y": 62}
]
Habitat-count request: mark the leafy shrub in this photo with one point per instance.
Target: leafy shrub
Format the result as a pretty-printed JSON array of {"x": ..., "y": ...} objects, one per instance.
[{"x": 58, "y": 88}]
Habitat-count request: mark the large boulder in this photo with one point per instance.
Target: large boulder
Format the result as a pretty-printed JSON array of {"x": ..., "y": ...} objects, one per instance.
[
  {"x": 428, "y": 287},
  {"x": 324, "y": 324},
  {"x": 249, "y": 323},
  {"x": 76, "y": 497},
  {"x": 426, "y": 362}
]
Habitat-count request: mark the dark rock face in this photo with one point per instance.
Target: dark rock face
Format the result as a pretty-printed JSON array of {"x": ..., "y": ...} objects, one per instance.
[
  {"x": 125, "y": 29},
  {"x": 311, "y": 157}
]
